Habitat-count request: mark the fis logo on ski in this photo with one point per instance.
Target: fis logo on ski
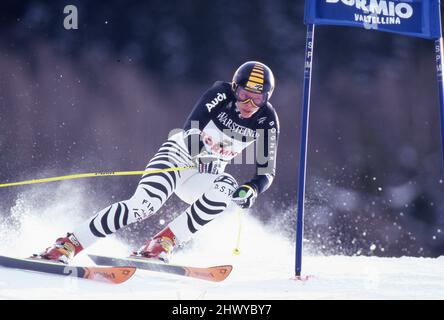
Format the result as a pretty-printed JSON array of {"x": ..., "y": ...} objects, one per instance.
[{"x": 378, "y": 12}]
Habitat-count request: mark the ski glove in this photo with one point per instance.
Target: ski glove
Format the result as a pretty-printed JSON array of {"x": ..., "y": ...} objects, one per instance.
[
  {"x": 208, "y": 163},
  {"x": 244, "y": 196}
]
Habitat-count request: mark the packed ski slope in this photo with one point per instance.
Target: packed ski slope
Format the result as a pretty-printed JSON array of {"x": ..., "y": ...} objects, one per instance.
[{"x": 263, "y": 270}]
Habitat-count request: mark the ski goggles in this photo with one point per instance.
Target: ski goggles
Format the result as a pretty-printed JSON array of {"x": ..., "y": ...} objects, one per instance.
[{"x": 256, "y": 99}]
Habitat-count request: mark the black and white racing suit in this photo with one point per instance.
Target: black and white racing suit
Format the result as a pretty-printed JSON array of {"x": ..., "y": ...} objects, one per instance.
[{"x": 215, "y": 127}]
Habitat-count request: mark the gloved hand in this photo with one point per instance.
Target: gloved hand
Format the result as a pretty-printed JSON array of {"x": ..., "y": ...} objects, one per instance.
[
  {"x": 244, "y": 196},
  {"x": 207, "y": 163}
]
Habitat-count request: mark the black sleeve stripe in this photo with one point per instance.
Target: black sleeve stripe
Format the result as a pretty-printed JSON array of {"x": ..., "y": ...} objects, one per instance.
[
  {"x": 94, "y": 230},
  {"x": 175, "y": 145},
  {"x": 178, "y": 158},
  {"x": 207, "y": 210},
  {"x": 125, "y": 215},
  {"x": 175, "y": 161},
  {"x": 173, "y": 151},
  {"x": 213, "y": 203},
  {"x": 153, "y": 195},
  {"x": 104, "y": 222},
  {"x": 166, "y": 176},
  {"x": 117, "y": 217},
  {"x": 197, "y": 218},
  {"x": 157, "y": 186},
  {"x": 190, "y": 224},
  {"x": 159, "y": 164},
  {"x": 167, "y": 165},
  {"x": 172, "y": 174},
  {"x": 173, "y": 177}
]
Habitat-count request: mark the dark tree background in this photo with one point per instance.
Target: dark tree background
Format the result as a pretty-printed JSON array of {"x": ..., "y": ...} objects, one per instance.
[{"x": 105, "y": 96}]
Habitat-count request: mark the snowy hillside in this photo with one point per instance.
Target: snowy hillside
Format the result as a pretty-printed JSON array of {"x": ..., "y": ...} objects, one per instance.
[
  {"x": 335, "y": 278},
  {"x": 263, "y": 270}
]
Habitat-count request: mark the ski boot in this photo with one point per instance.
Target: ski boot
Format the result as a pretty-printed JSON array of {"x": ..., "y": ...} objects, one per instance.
[
  {"x": 158, "y": 247},
  {"x": 63, "y": 250}
]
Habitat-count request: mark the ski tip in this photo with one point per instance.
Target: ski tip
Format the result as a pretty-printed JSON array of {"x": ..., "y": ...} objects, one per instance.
[
  {"x": 215, "y": 274},
  {"x": 115, "y": 275}
]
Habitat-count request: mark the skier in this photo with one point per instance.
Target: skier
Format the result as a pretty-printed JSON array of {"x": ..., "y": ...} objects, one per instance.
[{"x": 225, "y": 120}]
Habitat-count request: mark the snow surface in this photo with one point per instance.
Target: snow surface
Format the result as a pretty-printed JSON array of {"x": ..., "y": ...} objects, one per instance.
[{"x": 263, "y": 270}]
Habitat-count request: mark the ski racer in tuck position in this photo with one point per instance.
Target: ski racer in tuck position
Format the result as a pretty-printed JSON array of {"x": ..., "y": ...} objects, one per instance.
[{"x": 225, "y": 120}]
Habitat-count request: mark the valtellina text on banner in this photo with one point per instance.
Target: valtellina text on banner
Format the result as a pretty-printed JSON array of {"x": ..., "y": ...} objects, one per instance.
[{"x": 416, "y": 18}]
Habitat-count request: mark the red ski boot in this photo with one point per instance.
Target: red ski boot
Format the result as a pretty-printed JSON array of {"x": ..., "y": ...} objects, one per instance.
[
  {"x": 159, "y": 247},
  {"x": 63, "y": 250}
]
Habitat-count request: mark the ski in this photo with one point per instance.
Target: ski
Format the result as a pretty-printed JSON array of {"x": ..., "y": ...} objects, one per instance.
[
  {"x": 216, "y": 273},
  {"x": 114, "y": 275}
]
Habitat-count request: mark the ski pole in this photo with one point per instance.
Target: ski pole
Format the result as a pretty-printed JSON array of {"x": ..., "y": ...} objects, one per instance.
[
  {"x": 236, "y": 250},
  {"x": 94, "y": 174}
]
